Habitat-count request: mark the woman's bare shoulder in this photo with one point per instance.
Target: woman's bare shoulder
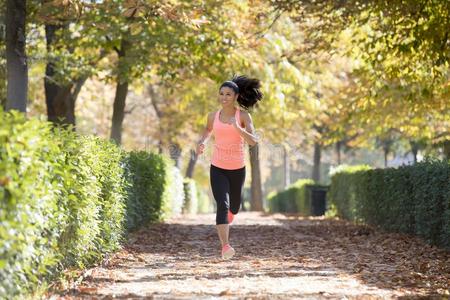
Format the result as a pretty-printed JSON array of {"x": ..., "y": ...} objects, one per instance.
[{"x": 245, "y": 114}]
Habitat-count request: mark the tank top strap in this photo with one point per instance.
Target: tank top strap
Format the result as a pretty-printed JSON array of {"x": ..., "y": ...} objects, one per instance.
[{"x": 237, "y": 115}]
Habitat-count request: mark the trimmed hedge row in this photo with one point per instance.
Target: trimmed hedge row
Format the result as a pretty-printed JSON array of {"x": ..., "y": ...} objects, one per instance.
[
  {"x": 67, "y": 200},
  {"x": 204, "y": 203},
  {"x": 154, "y": 189},
  {"x": 339, "y": 189},
  {"x": 295, "y": 199},
  {"x": 410, "y": 199}
]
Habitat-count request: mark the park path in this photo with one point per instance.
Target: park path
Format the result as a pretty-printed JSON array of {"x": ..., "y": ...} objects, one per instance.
[{"x": 277, "y": 257}]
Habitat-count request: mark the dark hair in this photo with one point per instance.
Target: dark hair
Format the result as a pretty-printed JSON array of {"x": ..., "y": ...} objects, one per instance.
[{"x": 247, "y": 88}]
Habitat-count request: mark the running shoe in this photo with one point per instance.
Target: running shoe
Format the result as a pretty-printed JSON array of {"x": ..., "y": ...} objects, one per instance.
[{"x": 227, "y": 251}]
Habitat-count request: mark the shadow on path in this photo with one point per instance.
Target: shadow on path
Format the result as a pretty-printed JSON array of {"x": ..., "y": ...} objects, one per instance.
[{"x": 277, "y": 257}]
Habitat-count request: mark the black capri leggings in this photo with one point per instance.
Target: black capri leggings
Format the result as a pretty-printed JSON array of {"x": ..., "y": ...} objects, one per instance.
[{"x": 227, "y": 188}]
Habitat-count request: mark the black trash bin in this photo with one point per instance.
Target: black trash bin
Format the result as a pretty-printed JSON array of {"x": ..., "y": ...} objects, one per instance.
[{"x": 318, "y": 201}]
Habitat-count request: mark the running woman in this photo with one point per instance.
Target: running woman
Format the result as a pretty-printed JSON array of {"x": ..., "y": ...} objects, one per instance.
[{"x": 231, "y": 127}]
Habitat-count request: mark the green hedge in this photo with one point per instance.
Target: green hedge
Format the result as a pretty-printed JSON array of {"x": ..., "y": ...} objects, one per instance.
[
  {"x": 190, "y": 205},
  {"x": 349, "y": 208},
  {"x": 67, "y": 200},
  {"x": 410, "y": 199},
  {"x": 195, "y": 200},
  {"x": 295, "y": 199},
  {"x": 173, "y": 196},
  {"x": 154, "y": 190},
  {"x": 204, "y": 203},
  {"x": 92, "y": 196}
]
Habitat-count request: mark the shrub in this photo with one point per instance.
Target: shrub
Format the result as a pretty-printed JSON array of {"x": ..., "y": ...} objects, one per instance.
[
  {"x": 31, "y": 169},
  {"x": 173, "y": 196},
  {"x": 204, "y": 204},
  {"x": 61, "y": 201},
  {"x": 190, "y": 205},
  {"x": 410, "y": 199},
  {"x": 68, "y": 200},
  {"x": 347, "y": 206},
  {"x": 295, "y": 199}
]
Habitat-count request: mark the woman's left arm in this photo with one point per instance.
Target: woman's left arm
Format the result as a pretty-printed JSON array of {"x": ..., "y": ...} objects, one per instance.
[{"x": 247, "y": 132}]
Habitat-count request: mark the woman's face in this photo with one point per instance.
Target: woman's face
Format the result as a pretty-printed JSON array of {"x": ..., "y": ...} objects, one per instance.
[{"x": 227, "y": 96}]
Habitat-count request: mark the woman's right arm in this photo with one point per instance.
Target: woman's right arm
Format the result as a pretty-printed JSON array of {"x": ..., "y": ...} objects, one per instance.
[{"x": 206, "y": 134}]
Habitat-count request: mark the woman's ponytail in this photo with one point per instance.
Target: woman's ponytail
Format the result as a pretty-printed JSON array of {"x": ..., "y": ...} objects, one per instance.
[{"x": 249, "y": 90}]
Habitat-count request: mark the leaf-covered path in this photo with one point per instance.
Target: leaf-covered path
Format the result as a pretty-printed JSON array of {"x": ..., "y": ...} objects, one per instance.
[{"x": 277, "y": 257}]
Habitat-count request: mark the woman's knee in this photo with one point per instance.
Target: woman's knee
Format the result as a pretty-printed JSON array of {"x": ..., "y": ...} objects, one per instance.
[
  {"x": 235, "y": 203},
  {"x": 234, "y": 210},
  {"x": 222, "y": 206}
]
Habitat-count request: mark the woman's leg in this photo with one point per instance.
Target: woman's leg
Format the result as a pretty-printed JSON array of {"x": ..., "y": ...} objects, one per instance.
[
  {"x": 236, "y": 179},
  {"x": 220, "y": 187},
  {"x": 223, "y": 231}
]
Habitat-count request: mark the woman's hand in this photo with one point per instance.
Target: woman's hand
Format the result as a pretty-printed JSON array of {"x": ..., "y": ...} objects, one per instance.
[{"x": 200, "y": 148}]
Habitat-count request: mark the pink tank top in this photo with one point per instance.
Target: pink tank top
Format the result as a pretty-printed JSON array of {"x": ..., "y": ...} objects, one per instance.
[{"x": 228, "y": 149}]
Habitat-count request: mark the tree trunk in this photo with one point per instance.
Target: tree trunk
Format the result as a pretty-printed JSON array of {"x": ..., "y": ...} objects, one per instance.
[
  {"x": 191, "y": 166},
  {"x": 414, "y": 150},
  {"x": 50, "y": 86},
  {"x": 60, "y": 99},
  {"x": 16, "y": 59},
  {"x": 256, "y": 203},
  {"x": 70, "y": 112},
  {"x": 175, "y": 154},
  {"x": 120, "y": 97},
  {"x": 316, "y": 166},
  {"x": 119, "y": 111},
  {"x": 338, "y": 152},
  {"x": 286, "y": 168},
  {"x": 156, "y": 99},
  {"x": 386, "y": 153},
  {"x": 446, "y": 148}
]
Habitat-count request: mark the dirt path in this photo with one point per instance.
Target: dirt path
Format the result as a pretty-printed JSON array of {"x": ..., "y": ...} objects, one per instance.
[{"x": 277, "y": 257}]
